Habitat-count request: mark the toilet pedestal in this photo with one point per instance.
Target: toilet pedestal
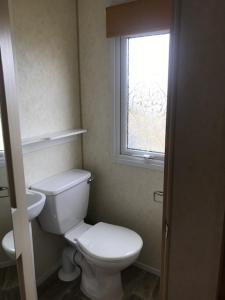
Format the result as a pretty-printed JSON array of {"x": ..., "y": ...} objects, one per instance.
[
  {"x": 107, "y": 289},
  {"x": 69, "y": 271},
  {"x": 96, "y": 284}
]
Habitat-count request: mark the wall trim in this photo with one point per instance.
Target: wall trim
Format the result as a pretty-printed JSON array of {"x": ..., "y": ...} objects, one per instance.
[{"x": 147, "y": 268}]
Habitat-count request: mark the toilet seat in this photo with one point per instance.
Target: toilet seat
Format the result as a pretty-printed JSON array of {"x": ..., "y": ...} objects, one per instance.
[{"x": 110, "y": 243}]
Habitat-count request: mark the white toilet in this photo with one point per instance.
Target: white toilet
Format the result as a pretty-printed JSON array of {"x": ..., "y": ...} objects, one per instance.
[
  {"x": 8, "y": 246},
  {"x": 102, "y": 251}
]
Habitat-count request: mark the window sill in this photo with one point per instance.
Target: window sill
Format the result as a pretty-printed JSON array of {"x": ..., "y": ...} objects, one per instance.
[{"x": 129, "y": 160}]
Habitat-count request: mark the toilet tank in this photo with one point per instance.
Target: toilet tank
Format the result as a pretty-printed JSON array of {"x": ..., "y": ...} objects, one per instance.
[{"x": 67, "y": 197}]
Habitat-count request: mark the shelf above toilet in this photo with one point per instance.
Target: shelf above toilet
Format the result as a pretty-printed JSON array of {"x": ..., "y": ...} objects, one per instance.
[{"x": 49, "y": 140}]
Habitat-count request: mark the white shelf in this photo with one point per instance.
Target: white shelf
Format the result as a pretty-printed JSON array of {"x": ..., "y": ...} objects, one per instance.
[{"x": 49, "y": 140}]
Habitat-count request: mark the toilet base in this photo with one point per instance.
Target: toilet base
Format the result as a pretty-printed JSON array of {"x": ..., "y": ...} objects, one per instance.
[
  {"x": 69, "y": 271},
  {"x": 118, "y": 296},
  {"x": 102, "y": 287},
  {"x": 68, "y": 276}
]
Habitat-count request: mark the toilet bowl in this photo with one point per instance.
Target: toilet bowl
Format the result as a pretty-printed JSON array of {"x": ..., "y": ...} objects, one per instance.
[
  {"x": 8, "y": 246},
  {"x": 101, "y": 251}
]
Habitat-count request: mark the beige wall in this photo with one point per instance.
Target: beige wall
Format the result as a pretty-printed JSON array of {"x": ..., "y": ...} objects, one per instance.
[
  {"x": 121, "y": 194},
  {"x": 46, "y": 61}
]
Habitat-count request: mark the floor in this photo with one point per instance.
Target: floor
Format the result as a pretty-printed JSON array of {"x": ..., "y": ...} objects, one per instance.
[
  {"x": 138, "y": 285},
  {"x": 9, "y": 284}
]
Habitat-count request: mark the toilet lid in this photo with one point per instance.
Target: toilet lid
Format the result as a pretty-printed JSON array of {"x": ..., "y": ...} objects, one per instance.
[{"x": 110, "y": 242}]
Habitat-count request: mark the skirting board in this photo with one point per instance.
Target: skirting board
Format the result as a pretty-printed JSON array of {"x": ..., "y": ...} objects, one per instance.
[{"x": 147, "y": 268}]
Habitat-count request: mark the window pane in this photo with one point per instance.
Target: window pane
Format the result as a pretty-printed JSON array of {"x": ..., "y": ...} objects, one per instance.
[{"x": 147, "y": 81}]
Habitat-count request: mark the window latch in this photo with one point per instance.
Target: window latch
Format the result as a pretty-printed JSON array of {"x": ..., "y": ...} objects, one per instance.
[{"x": 148, "y": 156}]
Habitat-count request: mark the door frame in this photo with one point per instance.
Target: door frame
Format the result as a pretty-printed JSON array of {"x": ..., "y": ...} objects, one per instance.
[
  {"x": 172, "y": 117},
  {"x": 14, "y": 159},
  {"x": 169, "y": 153},
  {"x": 221, "y": 283}
]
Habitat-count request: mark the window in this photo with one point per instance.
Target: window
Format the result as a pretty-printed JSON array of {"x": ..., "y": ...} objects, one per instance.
[{"x": 141, "y": 99}]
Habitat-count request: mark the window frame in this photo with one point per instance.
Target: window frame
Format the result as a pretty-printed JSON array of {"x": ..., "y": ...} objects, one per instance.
[{"x": 139, "y": 158}]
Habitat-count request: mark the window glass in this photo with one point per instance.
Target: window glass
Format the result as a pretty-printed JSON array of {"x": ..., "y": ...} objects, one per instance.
[{"x": 147, "y": 78}]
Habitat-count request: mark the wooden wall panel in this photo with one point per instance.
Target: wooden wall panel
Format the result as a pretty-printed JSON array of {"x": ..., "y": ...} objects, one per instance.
[
  {"x": 196, "y": 179},
  {"x": 137, "y": 17},
  {"x": 221, "y": 283}
]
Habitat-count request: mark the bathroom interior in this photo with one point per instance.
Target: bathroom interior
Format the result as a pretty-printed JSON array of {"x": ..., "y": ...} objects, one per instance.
[{"x": 67, "y": 88}]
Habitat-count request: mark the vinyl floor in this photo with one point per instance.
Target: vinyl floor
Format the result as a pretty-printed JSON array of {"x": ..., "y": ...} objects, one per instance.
[
  {"x": 137, "y": 284},
  {"x": 9, "y": 284}
]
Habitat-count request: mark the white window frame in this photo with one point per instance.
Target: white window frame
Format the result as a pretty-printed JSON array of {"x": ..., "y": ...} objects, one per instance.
[
  {"x": 121, "y": 153},
  {"x": 2, "y": 152}
]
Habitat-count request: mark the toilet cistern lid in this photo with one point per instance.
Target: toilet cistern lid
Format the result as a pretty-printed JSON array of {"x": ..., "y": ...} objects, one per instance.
[
  {"x": 61, "y": 182},
  {"x": 110, "y": 242}
]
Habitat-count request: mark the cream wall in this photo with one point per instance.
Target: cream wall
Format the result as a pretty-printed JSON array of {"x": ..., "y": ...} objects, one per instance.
[
  {"x": 46, "y": 61},
  {"x": 121, "y": 194}
]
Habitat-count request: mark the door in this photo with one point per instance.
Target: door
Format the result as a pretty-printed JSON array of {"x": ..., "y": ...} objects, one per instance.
[
  {"x": 13, "y": 153},
  {"x": 195, "y": 165}
]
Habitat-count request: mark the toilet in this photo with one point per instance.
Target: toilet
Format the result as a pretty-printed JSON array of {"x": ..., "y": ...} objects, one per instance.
[
  {"x": 100, "y": 251},
  {"x": 8, "y": 246}
]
